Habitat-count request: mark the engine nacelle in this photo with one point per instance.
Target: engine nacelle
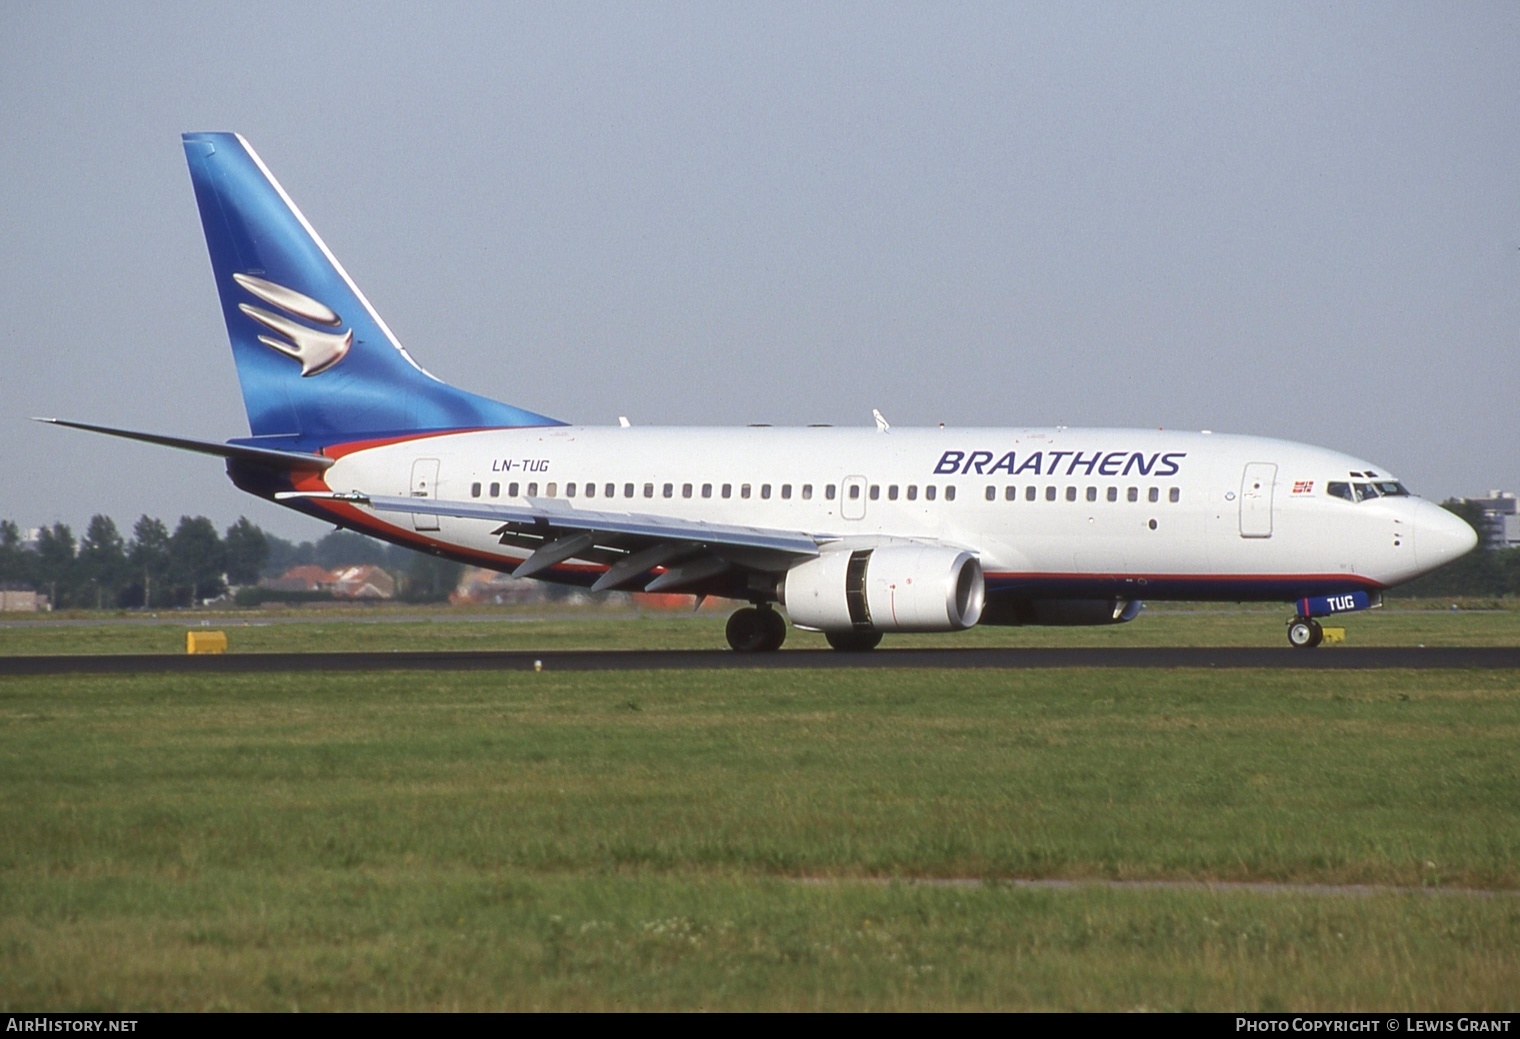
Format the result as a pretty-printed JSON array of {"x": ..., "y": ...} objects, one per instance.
[{"x": 893, "y": 588}]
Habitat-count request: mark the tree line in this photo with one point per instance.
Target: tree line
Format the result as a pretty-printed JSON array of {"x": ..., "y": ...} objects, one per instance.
[
  {"x": 159, "y": 569},
  {"x": 156, "y": 569}
]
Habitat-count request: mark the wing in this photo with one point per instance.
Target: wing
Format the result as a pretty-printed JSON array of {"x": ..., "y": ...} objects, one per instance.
[{"x": 630, "y": 546}]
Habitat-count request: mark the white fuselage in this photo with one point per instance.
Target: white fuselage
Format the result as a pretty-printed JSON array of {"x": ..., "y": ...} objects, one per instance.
[{"x": 1163, "y": 514}]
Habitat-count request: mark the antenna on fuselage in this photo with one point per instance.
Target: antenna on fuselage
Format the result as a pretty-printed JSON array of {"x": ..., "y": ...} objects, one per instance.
[{"x": 881, "y": 422}]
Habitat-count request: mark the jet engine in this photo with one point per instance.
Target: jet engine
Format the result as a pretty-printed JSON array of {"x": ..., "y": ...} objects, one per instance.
[{"x": 893, "y": 588}]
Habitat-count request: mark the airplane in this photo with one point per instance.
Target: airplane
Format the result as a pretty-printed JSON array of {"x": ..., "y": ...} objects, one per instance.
[{"x": 854, "y": 532}]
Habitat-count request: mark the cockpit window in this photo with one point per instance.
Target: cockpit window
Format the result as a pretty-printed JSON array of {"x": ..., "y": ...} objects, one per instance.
[{"x": 1365, "y": 491}]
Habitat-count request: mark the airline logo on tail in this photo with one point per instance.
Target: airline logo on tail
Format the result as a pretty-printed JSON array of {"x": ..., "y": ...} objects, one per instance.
[{"x": 317, "y": 351}]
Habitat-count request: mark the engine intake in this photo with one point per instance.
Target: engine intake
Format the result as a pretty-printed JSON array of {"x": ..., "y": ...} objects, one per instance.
[{"x": 894, "y": 588}]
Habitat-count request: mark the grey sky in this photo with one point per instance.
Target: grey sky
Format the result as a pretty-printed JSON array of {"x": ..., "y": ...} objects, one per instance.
[{"x": 1298, "y": 220}]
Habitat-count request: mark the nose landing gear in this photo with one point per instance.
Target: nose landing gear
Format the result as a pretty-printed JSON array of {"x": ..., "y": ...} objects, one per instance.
[
  {"x": 1305, "y": 632},
  {"x": 756, "y": 629}
]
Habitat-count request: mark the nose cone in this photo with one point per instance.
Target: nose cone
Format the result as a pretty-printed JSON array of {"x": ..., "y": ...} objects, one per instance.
[{"x": 1440, "y": 536}]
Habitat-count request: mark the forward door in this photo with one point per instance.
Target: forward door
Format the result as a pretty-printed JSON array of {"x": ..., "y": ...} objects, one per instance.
[{"x": 1256, "y": 485}]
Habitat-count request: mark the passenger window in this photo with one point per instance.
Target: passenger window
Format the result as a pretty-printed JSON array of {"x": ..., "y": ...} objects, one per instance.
[
  {"x": 610, "y": 491},
  {"x": 533, "y": 490},
  {"x": 828, "y": 492},
  {"x": 1113, "y": 494},
  {"x": 591, "y": 490},
  {"x": 707, "y": 490},
  {"x": 1071, "y": 494},
  {"x": 1092, "y": 494},
  {"x": 551, "y": 490},
  {"x": 1050, "y": 494},
  {"x": 728, "y": 490},
  {"x": 854, "y": 492},
  {"x": 511, "y": 490},
  {"x": 628, "y": 490},
  {"x": 807, "y": 492},
  {"x": 1030, "y": 493},
  {"x": 569, "y": 490},
  {"x": 929, "y": 492},
  {"x": 1175, "y": 494},
  {"x": 991, "y": 493},
  {"x": 786, "y": 491},
  {"x": 669, "y": 490},
  {"x": 474, "y": 490},
  {"x": 686, "y": 490},
  {"x": 1133, "y": 494},
  {"x": 912, "y": 492},
  {"x": 1155, "y": 494},
  {"x": 892, "y": 492},
  {"x": 1011, "y": 493},
  {"x": 765, "y": 490},
  {"x": 649, "y": 490},
  {"x": 950, "y": 493},
  {"x": 744, "y": 490},
  {"x": 875, "y": 492}
]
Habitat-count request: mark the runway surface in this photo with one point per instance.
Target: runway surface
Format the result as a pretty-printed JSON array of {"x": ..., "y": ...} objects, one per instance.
[{"x": 1338, "y": 659}]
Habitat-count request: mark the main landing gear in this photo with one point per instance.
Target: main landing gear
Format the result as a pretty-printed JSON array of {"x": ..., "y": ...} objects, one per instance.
[
  {"x": 1305, "y": 632},
  {"x": 760, "y": 629},
  {"x": 853, "y": 641},
  {"x": 756, "y": 629}
]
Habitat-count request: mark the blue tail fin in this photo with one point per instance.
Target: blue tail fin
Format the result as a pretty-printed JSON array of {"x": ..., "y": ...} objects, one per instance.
[{"x": 315, "y": 361}]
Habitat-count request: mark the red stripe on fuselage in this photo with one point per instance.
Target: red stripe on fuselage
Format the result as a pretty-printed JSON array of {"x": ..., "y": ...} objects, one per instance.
[{"x": 1047, "y": 575}]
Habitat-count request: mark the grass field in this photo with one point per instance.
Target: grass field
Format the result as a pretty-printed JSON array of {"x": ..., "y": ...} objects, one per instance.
[
  {"x": 297, "y": 631},
  {"x": 754, "y": 840}
]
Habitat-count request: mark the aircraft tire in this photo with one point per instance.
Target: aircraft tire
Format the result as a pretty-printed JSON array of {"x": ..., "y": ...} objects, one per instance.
[
  {"x": 853, "y": 641},
  {"x": 1305, "y": 633},
  {"x": 755, "y": 630},
  {"x": 775, "y": 629}
]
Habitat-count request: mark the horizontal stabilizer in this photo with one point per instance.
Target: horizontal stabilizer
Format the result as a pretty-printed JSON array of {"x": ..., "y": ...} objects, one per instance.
[{"x": 284, "y": 460}]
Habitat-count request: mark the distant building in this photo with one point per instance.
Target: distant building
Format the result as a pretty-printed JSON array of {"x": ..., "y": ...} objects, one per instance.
[
  {"x": 346, "y": 582},
  {"x": 481, "y": 587},
  {"x": 300, "y": 579},
  {"x": 363, "y": 582},
  {"x": 23, "y": 600},
  {"x": 1501, "y": 519}
]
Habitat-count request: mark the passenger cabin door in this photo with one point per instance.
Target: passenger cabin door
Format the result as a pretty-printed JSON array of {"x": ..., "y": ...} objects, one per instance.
[
  {"x": 1256, "y": 499},
  {"x": 424, "y": 485}
]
